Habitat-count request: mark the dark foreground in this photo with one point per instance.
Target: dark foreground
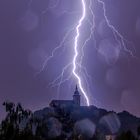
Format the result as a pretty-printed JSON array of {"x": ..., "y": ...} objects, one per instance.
[{"x": 63, "y": 124}]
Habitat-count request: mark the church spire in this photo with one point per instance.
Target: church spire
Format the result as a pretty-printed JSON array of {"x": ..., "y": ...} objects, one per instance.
[
  {"x": 76, "y": 89},
  {"x": 76, "y": 97}
]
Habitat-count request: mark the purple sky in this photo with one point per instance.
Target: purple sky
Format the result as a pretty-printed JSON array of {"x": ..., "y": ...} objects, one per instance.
[{"x": 28, "y": 35}]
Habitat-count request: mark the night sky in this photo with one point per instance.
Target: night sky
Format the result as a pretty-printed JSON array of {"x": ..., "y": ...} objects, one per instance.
[{"x": 30, "y": 30}]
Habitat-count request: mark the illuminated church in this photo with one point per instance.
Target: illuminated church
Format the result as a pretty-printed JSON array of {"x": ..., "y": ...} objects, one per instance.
[{"x": 67, "y": 103}]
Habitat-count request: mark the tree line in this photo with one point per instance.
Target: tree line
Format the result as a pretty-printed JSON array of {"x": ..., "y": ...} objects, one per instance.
[{"x": 20, "y": 124}]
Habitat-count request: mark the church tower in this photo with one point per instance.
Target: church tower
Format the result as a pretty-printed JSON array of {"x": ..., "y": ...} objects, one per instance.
[{"x": 76, "y": 97}]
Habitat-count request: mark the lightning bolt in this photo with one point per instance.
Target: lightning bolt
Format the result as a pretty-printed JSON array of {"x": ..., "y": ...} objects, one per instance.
[
  {"x": 76, "y": 52},
  {"x": 117, "y": 35},
  {"x": 61, "y": 45},
  {"x": 79, "y": 49},
  {"x": 92, "y": 24}
]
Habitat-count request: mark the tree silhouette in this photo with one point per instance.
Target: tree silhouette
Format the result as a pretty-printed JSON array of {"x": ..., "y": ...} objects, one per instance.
[
  {"x": 126, "y": 136},
  {"x": 138, "y": 132},
  {"x": 9, "y": 129}
]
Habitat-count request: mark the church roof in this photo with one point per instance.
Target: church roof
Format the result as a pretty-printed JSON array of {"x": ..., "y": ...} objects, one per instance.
[
  {"x": 67, "y": 103},
  {"x": 61, "y": 102},
  {"x": 76, "y": 91}
]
